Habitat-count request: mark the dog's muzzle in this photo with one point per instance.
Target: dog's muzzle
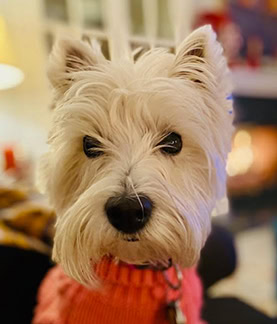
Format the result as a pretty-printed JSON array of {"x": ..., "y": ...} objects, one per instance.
[{"x": 128, "y": 214}]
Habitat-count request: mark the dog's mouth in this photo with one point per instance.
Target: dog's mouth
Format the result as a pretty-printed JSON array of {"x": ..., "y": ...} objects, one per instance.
[
  {"x": 157, "y": 264},
  {"x": 131, "y": 239}
]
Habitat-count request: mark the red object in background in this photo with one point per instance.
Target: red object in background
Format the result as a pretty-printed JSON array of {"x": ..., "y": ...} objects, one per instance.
[
  {"x": 9, "y": 159},
  {"x": 249, "y": 3},
  {"x": 217, "y": 20},
  {"x": 228, "y": 32},
  {"x": 255, "y": 49}
]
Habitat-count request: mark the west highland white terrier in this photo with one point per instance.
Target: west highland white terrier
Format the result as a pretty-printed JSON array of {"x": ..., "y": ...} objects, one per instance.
[{"x": 137, "y": 157}]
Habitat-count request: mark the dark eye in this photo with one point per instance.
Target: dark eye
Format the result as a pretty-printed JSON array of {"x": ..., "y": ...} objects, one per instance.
[
  {"x": 91, "y": 147},
  {"x": 171, "y": 144}
]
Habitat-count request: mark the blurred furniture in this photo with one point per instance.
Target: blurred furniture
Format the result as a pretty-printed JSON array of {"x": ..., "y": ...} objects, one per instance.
[
  {"x": 25, "y": 246},
  {"x": 258, "y": 83}
]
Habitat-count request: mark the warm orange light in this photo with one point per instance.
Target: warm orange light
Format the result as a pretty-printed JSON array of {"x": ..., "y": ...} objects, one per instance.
[
  {"x": 252, "y": 164},
  {"x": 241, "y": 158}
]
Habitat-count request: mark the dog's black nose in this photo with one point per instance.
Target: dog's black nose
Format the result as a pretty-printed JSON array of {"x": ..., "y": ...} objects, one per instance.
[{"x": 128, "y": 215}]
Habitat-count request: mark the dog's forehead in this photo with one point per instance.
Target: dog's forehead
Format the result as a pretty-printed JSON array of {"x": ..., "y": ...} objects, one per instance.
[
  {"x": 159, "y": 100},
  {"x": 138, "y": 97},
  {"x": 107, "y": 105},
  {"x": 127, "y": 73}
]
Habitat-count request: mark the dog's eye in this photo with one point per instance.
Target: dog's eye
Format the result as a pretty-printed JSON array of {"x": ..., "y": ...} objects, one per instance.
[
  {"x": 92, "y": 147},
  {"x": 171, "y": 144}
]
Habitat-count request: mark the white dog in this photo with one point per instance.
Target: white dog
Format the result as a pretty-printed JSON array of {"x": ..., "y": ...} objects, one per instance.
[{"x": 137, "y": 153}]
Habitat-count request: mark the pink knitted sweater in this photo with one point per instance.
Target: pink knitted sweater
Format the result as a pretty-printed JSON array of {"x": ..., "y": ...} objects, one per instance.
[{"x": 128, "y": 296}]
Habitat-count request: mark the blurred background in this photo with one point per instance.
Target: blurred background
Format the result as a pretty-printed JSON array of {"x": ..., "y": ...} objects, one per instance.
[{"x": 247, "y": 30}]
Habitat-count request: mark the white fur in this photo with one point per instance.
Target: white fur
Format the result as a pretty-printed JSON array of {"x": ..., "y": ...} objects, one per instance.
[{"x": 129, "y": 107}]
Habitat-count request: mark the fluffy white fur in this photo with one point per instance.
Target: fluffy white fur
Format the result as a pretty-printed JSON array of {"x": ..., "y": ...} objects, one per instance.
[{"x": 129, "y": 107}]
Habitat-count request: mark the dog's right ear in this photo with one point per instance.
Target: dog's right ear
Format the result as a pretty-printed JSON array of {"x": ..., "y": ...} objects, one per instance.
[
  {"x": 69, "y": 57},
  {"x": 199, "y": 58}
]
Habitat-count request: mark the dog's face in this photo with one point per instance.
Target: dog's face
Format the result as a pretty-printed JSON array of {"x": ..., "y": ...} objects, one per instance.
[{"x": 137, "y": 153}]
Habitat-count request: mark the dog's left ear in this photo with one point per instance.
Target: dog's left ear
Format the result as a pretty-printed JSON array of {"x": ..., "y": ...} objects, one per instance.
[
  {"x": 70, "y": 56},
  {"x": 199, "y": 58}
]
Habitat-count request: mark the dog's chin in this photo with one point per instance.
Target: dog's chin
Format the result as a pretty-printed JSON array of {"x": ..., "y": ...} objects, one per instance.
[
  {"x": 132, "y": 251},
  {"x": 136, "y": 254}
]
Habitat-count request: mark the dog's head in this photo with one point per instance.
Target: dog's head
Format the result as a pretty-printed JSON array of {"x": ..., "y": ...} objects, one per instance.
[{"x": 137, "y": 152}]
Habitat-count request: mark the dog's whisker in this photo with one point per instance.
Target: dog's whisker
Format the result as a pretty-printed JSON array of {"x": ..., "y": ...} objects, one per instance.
[{"x": 136, "y": 194}]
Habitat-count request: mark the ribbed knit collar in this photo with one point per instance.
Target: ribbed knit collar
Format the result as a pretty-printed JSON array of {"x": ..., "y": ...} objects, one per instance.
[{"x": 121, "y": 273}]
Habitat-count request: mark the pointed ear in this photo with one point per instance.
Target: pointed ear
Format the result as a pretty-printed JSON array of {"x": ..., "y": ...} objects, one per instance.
[
  {"x": 70, "y": 56},
  {"x": 199, "y": 58}
]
